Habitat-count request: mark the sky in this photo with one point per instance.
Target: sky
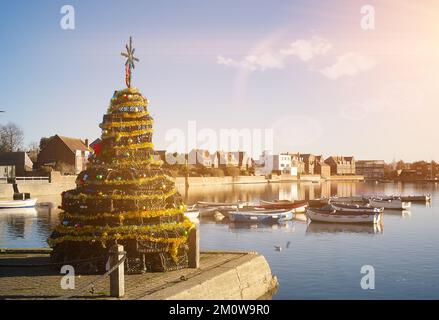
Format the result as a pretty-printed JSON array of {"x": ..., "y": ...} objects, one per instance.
[{"x": 307, "y": 70}]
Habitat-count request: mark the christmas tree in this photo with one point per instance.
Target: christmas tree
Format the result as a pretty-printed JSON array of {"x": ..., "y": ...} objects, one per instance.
[{"x": 124, "y": 196}]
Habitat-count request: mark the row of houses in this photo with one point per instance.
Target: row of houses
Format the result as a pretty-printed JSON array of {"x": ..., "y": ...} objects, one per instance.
[
  {"x": 201, "y": 157},
  {"x": 70, "y": 155},
  {"x": 294, "y": 164},
  {"x": 309, "y": 164}
]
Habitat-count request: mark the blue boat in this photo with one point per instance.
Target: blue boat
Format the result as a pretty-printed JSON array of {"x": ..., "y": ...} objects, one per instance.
[{"x": 258, "y": 215}]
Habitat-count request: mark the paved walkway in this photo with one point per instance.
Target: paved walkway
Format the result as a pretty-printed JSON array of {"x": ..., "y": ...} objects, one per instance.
[{"x": 44, "y": 282}]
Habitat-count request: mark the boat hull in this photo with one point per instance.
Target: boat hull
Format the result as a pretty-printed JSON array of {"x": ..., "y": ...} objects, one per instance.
[
  {"x": 264, "y": 217},
  {"x": 393, "y": 204},
  {"x": 423, "y": 198},
  {"x": 297, "y": 206},
  {"x": 356, "y": 208},
  {"x": 29, "y": 203},
  {"x": 343, "y": 217}
]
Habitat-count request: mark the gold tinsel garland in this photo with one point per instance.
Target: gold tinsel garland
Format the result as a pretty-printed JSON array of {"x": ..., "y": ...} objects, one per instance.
[
  {"x": 110, "y": 125},
  {"x": 131, "y": 103},
  {"x": 78, "y": 231},
  {"x": 122, "y": 196},
  {"x": 139, "y": 181},
  {"x": 128, "y": 234},
  {"x": 174, "y": 242},
  {"x": 127, "y": 163},
  {"x": 133, "y": 115},
  {"x": 126, "y": 134},
  {"x": 124, "y": 215},
  {"x": 135, "y": 146}
]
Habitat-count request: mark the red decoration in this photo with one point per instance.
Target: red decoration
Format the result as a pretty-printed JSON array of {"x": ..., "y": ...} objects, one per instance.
[{"x": 97, "y": 147}]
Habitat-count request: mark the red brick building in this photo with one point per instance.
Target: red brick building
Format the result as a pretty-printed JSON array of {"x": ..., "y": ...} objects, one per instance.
[{"x": 68, "y": 155}]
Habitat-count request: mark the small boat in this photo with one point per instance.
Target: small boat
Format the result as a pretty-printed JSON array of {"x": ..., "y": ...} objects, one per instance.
[
  {"x": 389, "y": 203},
  {"x": 265, "y": 216},
  {"x": 8, "y": 204},
  {"x": 356, "y": 199},
  {"x": 318, "y": 203},
  {"x": 205, "y": 204},
  {"x": 330, "y": 214},
  {"x": 192, "y": 212},
  {"x": 416, "y": 198},
  {"x": 355, "y": 207},
  {"x": 212, "y": 211},
  {"x": 297, "y": 206},
  {"x": 209, "y": 209}
]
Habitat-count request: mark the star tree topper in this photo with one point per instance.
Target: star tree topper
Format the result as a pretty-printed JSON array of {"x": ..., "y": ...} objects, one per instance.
[{"x": 129, "y": 64}]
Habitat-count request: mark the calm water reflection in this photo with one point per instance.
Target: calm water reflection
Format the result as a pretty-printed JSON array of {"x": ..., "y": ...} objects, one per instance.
[{"x": 310, "y": 261}]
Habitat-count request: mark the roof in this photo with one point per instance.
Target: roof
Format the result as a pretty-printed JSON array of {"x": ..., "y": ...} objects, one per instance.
[
  {"x": 97, "y": 141},
  {"x": 340, "y": 158},
  {"x": 14, "y": 158},
  {"x": 74, "y": 143}
]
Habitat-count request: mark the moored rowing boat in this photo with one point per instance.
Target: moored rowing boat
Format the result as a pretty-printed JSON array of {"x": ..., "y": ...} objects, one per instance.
[
  {"x": 391, "y": 203},
  {"x": 297, "y": 206},
  {"x": 330, "y": 214},
  {"x": 251, "y": 215},
  {"x": 355, "y": 207}
]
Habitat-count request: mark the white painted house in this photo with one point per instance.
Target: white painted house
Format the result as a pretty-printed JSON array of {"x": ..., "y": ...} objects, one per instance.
[{"x": 280, "y": 163}]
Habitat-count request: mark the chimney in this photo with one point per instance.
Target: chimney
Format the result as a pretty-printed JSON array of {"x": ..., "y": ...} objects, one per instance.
[{"x": 86, "y": 143}]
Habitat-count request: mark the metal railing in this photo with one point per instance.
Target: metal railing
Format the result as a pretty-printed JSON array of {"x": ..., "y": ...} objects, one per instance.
[{"x": 32, "y": 178}]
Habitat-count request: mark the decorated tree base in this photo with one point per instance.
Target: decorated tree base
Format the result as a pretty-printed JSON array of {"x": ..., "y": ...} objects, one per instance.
[{"x": 124, "y": 197}]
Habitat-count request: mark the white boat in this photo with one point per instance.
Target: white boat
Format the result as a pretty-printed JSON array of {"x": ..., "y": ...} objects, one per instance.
[
  {"x": 209, "y": 209},
  {"x": 391, "y": 203},
  {"x": 266, "y": 216},
  {"x": 336, "y": 216},
  {"x": 192, "y": 213},
  {"x": 9, "y": 204},
  {"x": 351, "y": 207}
]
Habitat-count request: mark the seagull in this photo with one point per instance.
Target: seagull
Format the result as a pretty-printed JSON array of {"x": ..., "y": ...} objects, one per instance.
[{"x": 278, "y": 248}]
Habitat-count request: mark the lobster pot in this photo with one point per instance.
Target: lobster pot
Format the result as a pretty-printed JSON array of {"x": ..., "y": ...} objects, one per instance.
[
  {"x": 144, "y": 246},
  {"x": 163, "y": 261},
  {"x": 85, "y": 258},
  {"x": 135, "y": 264},
  {"x": 156, "y": 262}
]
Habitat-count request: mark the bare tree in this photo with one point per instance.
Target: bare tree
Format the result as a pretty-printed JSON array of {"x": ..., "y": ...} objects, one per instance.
[
  {"x": 33, "y": 146},
  {"x": 11, "y": 137}
]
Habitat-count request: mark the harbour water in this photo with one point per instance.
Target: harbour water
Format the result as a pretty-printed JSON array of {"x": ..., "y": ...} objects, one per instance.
[{"x": 317, "y": 261}]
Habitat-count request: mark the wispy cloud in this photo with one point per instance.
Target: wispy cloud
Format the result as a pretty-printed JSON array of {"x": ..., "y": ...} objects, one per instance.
[
  {"x": 348, "y": 64},
  {"x": 255, "y": 62},
  {"x": 305, "y": 50}
]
